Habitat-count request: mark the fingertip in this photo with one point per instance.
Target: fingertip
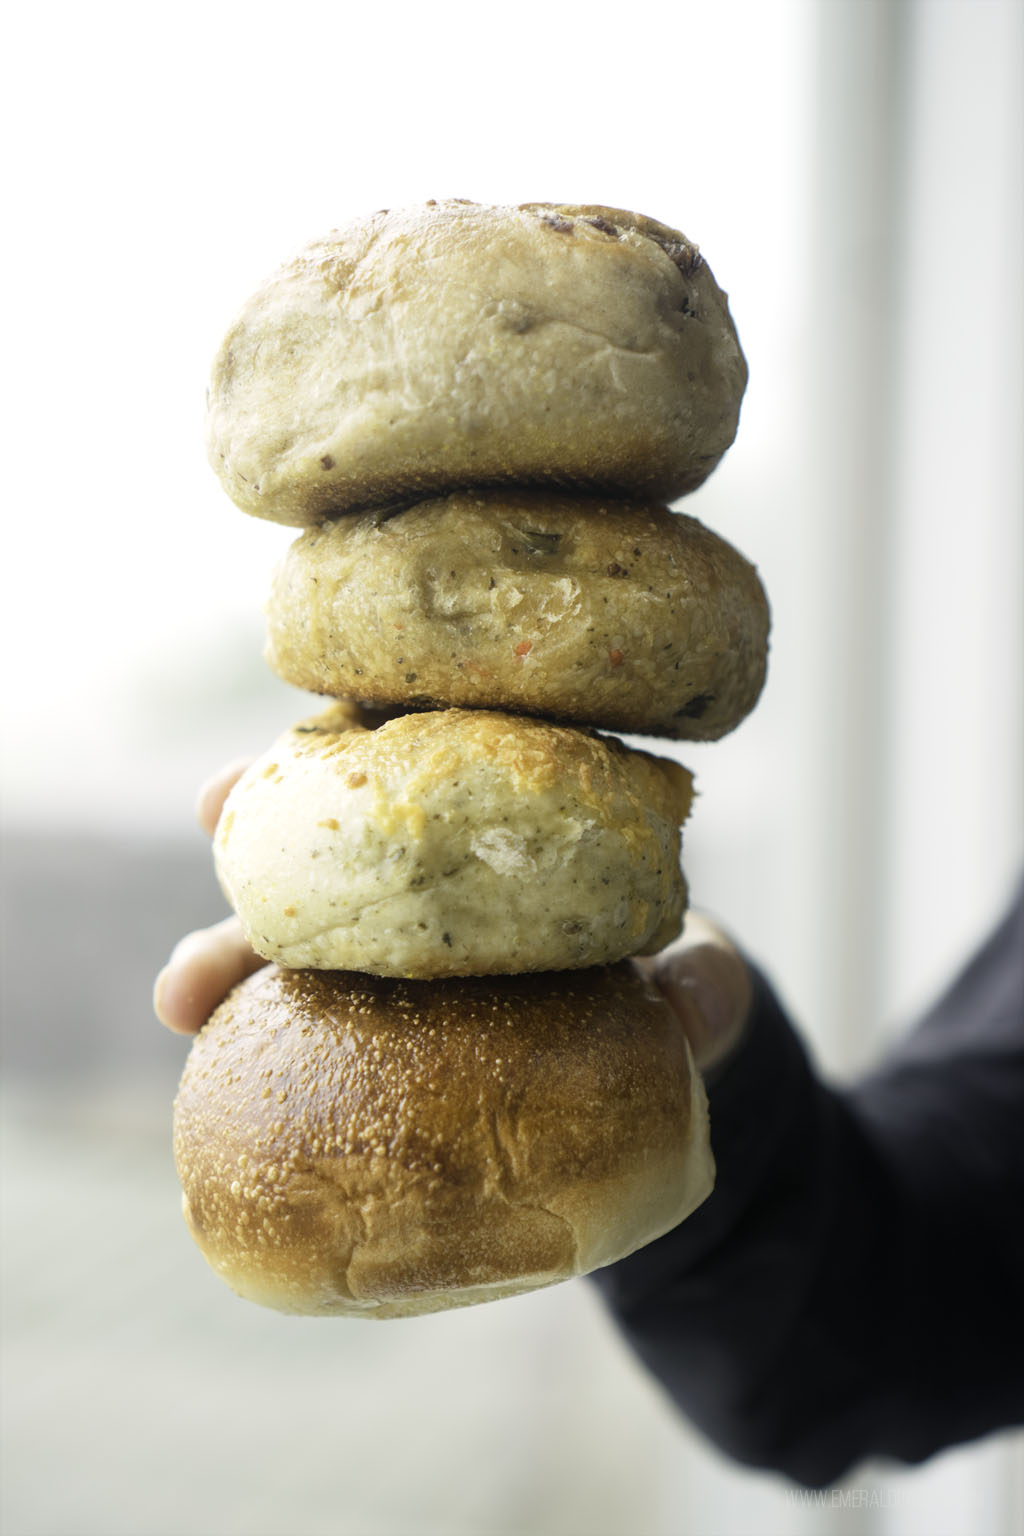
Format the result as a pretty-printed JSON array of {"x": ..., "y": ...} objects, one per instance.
[
  {"x": 711, "y": 989},
  {"x": 706, "y": 982},
  {"x": 170, "y": 1007},
  {"x": 213, "y": 793},
  {"x": 203, "y": 968}
]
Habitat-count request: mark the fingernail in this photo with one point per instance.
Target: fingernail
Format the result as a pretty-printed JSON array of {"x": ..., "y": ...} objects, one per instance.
[
  {"x": 159, "y": 989},
  {"x": 167, "y": 1002},
  {"x": 711, "y": 986}
]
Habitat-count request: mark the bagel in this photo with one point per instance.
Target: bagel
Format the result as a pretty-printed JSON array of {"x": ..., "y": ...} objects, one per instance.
[
  {"x": 370, "y": 1148},
  {"x": 620, "y": 615},
  {"x": 457, "y": 344},
  {"x": 453, "y": 843}
]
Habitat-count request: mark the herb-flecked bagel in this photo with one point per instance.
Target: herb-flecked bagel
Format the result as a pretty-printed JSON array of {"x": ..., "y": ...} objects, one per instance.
[
  {"x": 453, "y": 843},
  {"x": 370, "y": 1148},
  {"x": 620, "y": 615},
  {"x": 455, "y": 343}
]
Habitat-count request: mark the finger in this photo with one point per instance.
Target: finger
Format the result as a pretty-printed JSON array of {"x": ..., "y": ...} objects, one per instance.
[
  {"x": 705, "y": 981},
  {"x": 202, "y": 969},
  {"x": 210, "y": 801}
]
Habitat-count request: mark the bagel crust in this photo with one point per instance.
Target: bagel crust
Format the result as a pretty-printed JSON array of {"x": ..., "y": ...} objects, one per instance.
[
  {"x": 370, "y": 1148},
  {"x": 453, "y": 843},
  {"x": 458, "y": 344},
  {"x": 620, "y": 615}
]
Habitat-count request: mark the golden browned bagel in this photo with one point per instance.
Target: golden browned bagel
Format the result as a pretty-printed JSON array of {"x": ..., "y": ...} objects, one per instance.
[{"x": 353, "y": 1146}]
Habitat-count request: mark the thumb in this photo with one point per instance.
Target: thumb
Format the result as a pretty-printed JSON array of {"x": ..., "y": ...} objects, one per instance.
[{"x": 705, "y": 981}]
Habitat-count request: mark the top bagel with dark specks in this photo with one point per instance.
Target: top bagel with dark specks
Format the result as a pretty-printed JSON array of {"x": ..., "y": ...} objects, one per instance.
[{"x": 462, "y": 344}]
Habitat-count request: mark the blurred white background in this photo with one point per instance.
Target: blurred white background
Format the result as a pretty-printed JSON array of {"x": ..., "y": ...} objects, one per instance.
[{"x": 852, "y": 170}]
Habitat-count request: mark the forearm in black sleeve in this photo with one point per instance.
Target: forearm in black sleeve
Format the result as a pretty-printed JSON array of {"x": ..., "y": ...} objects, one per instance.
[{"x": 853, "y": 1285}]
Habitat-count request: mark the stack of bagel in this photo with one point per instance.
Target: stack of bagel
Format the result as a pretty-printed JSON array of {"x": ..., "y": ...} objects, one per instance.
[{"x": 452, "y": 1085}]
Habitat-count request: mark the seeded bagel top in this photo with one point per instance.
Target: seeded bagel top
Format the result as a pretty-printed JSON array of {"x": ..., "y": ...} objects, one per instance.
[{"x": 457, "y": 344}]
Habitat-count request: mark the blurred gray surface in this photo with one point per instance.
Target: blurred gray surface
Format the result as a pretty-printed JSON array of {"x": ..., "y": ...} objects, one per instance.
[{"x": 87, "y": 921}]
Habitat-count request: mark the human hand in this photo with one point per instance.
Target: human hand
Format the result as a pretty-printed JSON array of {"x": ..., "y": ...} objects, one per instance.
[
  {"x": 701, "y": 975},
  {"x": 706, "y": 983},
  {"x": 205, "y": 965}
]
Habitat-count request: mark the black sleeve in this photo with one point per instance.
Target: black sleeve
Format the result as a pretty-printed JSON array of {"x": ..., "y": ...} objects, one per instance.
[{"x": 855, "y": 1284}]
